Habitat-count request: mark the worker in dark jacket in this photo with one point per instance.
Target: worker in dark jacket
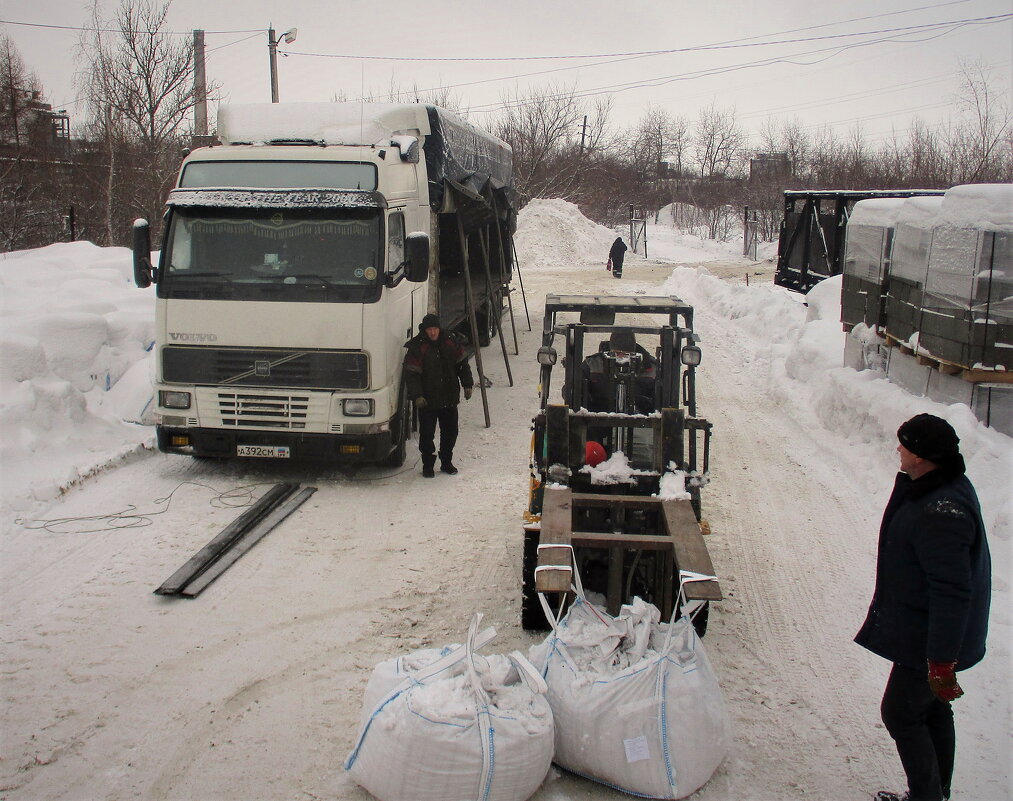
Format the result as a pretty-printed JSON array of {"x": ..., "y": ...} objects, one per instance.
[
  {"x": 616, "y": 255},
  {"x": 929, "y": 611},
  {"x": 436, "y": 368}
]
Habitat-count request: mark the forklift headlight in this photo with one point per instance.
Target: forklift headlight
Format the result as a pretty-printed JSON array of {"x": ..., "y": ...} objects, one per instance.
[
  {"x": 546, "y": 355},
  {"x": 691, "y": 355},
  {"x": 357, "y": 407},
  {"x": 168, "y": 399}
]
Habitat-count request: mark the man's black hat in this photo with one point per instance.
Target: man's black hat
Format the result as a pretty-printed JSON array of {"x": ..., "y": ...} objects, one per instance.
[
  {"x": 623, "y": 340},
  {"x": 429, "y": 321},
  {"x": 931, "y": 438}
]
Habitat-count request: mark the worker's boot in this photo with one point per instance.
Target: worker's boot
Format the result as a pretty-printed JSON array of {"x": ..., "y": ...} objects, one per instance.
[{"x": 427, "y": 467}]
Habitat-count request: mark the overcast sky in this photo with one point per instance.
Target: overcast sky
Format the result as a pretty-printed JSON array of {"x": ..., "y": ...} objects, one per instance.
[{"x": 873, "y": 61}]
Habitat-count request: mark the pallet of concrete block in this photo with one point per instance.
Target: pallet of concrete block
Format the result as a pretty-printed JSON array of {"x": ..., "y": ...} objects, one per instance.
[
  {"x": 452, "y": 725},
  {"x": 908, "y": 267},
  {"x": 967, "y": 305},
  {"x": 869, "y": 241},
  {"x": 635, "y": 701}
]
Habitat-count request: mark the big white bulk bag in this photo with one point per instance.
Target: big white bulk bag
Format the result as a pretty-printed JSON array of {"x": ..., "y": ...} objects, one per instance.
[
  {"x": 635, "y": 701},
  {"x": 452, "y": 725}
]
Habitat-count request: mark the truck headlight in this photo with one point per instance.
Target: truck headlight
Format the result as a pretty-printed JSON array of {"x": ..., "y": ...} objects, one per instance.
[
  {"x": 169, "y": 399},
  {"x": 691, "y": 355},
  {"x": 357, "y": 407}
]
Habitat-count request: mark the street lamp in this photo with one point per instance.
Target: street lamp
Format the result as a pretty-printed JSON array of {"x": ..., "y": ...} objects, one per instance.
[{"x": 272, "y": 48}]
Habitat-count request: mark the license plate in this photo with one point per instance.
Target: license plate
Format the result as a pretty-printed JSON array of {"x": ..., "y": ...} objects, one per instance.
[{"x": 264, "y": 451}]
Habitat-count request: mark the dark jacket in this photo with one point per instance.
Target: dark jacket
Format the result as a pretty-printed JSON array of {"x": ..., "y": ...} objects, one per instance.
[
  {"x": 599, "y": 389},
  {"x": 933, "y": 575},
  {"x": 618, "y": 252},
  {"x": 436, "y": 370}
]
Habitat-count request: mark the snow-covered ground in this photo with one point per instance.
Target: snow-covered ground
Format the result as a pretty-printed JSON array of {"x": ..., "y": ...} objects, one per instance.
[{"x": 252, "y": 691}]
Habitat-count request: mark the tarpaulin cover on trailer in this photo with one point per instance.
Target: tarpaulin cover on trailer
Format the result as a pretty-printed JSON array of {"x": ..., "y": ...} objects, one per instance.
[{"x": 476, "y": 202}]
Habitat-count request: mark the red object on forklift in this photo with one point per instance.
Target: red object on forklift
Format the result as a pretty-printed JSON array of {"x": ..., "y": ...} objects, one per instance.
[{"x": 594, "y": 454}]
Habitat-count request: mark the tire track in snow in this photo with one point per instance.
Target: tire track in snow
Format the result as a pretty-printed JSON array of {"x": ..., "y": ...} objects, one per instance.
[{"x": 786, "y": 535}]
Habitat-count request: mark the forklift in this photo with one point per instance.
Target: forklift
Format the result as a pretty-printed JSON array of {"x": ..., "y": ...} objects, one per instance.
[{"x": 628, "y": 393}]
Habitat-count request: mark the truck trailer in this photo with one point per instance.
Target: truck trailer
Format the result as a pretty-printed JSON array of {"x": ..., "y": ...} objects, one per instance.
[{"x": 299, "y": 256}]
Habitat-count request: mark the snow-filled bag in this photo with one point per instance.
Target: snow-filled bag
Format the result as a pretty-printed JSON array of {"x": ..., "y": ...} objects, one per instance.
[
  {"x": 452, "y": 725},
  {"x": 635, "y": 701}
]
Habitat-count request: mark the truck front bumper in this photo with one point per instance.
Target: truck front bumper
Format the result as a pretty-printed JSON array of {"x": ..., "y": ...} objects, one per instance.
[{"x": 214, "y": 442}]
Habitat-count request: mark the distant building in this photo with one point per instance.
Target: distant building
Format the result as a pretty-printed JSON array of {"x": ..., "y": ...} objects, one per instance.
[
  {"x": 37, "y": 125},
  {"x": 765, "y": 167}
]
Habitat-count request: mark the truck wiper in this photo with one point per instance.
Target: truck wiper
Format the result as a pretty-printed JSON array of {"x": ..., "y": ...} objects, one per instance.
[
  {"x": 188, "y": 274},
  {"x": 314, "y": 277}
]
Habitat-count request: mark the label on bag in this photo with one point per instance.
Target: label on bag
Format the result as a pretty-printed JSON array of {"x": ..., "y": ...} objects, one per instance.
[{"x": 637, "y": 749}]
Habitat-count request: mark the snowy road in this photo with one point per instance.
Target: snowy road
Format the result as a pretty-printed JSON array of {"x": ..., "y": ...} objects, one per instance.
[{"x": 252, "y": 690}]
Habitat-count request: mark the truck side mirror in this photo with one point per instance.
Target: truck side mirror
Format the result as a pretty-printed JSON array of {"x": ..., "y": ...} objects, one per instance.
[
  {"x": 417, "y": 251},
  {"x": 142, "y": 253}
]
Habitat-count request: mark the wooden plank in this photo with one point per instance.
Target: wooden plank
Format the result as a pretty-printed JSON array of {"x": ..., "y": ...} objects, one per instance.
[
  {"x": 690, "y": 549},
  {"x": 638, "y": 542},
  {"x": 246, "y": 542},
  {"x": 595, "y": 500},
  {"x": 221, "y": 543},
  {"x": 554, "y": 572},
  {"x": 988, "y": 376}
]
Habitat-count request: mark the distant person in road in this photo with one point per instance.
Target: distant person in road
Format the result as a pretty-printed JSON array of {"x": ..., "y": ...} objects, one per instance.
[
  {"x": 436, "y": 369},
  {"x": 616, "y": 255},
  {"x": 929, "y": 611}
]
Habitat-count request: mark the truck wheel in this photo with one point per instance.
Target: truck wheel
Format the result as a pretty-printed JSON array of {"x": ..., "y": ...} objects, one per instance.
[
  {"x": 487, "y": 322},
  {"x": 401, "y": 429}
]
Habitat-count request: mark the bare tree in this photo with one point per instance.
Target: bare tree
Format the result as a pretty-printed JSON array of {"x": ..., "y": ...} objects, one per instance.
[
  {"x": 30, "y": 195},
  {"x": 542, "y": 127},
  {"x": 139, "y": 86},
  {"x": 718, "y": 142},
  {"x": 979, "y": 139}
]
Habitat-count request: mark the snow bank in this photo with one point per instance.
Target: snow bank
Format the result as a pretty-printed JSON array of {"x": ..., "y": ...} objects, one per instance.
[
  {"x": 554, "y": 232},
  {"x": 75, "y": 334}
]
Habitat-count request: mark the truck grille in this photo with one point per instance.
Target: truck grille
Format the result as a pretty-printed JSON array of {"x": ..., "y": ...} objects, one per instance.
[
  {"x": 266, "y": 410},
  {"x": 263, "y": 367}
]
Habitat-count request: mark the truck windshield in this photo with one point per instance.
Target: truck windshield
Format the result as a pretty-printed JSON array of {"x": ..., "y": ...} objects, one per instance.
[
  {"x": 296, "y": 254},
  {"x": 279, "y": 174}
]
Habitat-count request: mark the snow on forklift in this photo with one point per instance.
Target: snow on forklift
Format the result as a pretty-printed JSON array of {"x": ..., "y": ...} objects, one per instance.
[{"x": 631, "y": 531}]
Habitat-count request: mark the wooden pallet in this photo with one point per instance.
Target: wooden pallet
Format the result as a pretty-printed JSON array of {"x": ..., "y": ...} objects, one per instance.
[
  {"x": 970, "y": 374},
  {"x": 680, "y": 539}
]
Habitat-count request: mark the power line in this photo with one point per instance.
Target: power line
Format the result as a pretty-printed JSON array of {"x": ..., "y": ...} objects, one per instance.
[
  {"x": 728, "y": 45},
  {"x": 93, "y": 29},
  {"x": 703, "y": 73}
]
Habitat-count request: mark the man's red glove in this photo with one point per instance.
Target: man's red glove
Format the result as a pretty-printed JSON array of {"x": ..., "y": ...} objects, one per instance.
[{"x": 943, "y": 680}]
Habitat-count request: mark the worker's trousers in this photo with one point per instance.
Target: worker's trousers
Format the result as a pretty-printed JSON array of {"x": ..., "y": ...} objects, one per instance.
[
  {"x": 922, "y": 727},
  {"x": 447, "y": 420}
]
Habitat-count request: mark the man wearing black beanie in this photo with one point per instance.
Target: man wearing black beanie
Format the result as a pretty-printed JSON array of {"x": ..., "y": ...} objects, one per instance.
[
  {"x": 929, "y": 611},
  {"x": 436, "y": 370}
]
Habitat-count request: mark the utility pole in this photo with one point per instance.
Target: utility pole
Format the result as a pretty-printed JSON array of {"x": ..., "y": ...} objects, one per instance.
[
  {"x": 583, "y": 135},
  {"x": 200, "y": 87},
  {"x": 272, "y": 49}
]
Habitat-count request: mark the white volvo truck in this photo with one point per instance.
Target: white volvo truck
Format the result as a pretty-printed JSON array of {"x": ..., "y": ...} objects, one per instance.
[{"x": 298, "y": 258}]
